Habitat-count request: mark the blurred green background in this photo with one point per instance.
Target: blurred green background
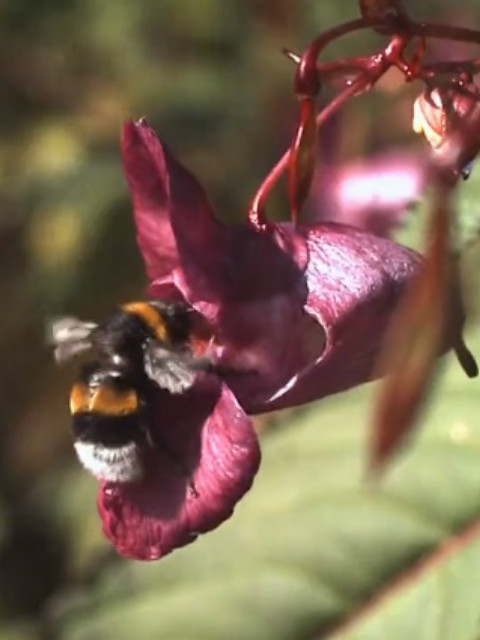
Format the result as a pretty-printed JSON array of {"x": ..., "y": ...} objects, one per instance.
[{"x": 310, "y": 544}]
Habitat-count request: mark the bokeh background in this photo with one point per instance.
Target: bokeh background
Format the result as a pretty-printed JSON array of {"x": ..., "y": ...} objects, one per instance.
[{"x": 311, "y": 544}]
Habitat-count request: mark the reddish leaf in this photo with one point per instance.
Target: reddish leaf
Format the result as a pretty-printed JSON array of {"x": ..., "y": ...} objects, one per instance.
[{"x": 414, "y": 341}]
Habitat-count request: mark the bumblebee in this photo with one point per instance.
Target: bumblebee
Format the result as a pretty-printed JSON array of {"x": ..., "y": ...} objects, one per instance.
[{"x": 142, "y": 346}]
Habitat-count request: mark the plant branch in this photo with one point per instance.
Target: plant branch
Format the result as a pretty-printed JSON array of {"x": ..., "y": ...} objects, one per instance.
[{"x": 256, "y": 214}]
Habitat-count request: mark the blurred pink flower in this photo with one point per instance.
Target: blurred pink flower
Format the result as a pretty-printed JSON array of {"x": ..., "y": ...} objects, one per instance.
[
  {"x": 372, "y": 194},
  {"x": 294, "y": 314}
]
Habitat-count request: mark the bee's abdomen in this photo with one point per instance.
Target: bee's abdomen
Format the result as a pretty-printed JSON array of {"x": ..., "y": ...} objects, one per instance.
[
  {"x": 108, "y": 396},
  {"x": 109, "y": 431},
  {"x": 105, "y": 408}
]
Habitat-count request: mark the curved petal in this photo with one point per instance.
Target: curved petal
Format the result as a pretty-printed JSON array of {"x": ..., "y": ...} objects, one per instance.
[
  {"x": 170, "y": 206},
  {"x": 355, "y": 281},
  {"x": 293, "y": 346},
  {"x": 297, "y": 350},
  {"x": 181, "y": 239},
  {"x": 147, "y": 177},
  {"x": 205, "y": 457}
]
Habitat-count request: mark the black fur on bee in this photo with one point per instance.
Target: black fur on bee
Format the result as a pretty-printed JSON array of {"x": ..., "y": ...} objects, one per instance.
[{"x": 143, "y": 345}]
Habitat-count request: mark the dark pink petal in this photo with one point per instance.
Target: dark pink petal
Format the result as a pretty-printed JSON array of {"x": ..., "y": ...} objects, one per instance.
[
  {"x": 330, "y": 343},
  {"x": 355, "y": 281},
  {"x": 144, "y": 169},
  {"x": 205, "y": 458},
  {"x": 258, "y": 266},
  {"x": 169, "y": 204},
  {"x": 181, "y": 240}
]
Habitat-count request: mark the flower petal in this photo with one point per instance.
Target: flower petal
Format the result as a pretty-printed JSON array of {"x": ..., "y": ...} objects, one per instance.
[
  {"x": 205, "y": 458},
  {"x": 146, "y": 174},
  {"x": 257, "y": 266},
  {"x": 170, "y": 206},
  {"x": 300, "y": 344},
  {"x": 355, "y": 281},
  {"x": 181, "y": 240},
  {"x": 300, "y": 350}
]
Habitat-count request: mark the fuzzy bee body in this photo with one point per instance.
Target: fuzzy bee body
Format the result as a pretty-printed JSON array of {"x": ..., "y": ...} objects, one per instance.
[
  {"x": 142, "y": 346},
  {"x": 107, "y": 423}
]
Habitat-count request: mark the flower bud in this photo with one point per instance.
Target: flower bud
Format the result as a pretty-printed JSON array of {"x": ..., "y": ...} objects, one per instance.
[{"x": 440, "y": 112}]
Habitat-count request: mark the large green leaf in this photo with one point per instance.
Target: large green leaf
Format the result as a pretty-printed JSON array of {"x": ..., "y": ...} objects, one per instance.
[{"x": 313, "y": 545}]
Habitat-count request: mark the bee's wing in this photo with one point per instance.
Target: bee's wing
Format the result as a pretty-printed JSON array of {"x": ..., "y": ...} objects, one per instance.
[
  {"x": 69, "y": 337},
  {"x": 172, "y": 370}
]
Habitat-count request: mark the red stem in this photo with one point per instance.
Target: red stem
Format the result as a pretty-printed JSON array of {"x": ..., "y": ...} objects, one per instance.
[
  {"x": 302, "y": 157},
  {"x": 334, "y": 70},
  {"x": 256, "y": 212},
  {"x": 377, "y": 66},
  {"x": 306, "y": 81}
]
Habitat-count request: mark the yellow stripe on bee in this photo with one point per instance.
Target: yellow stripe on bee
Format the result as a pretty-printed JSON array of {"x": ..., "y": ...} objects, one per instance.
[
  {"x": 153, "y": 317},
  {"x": 79, "y": 398},
  {"x": 103, "y": 399},
  {"x": 111, "y": 401}
]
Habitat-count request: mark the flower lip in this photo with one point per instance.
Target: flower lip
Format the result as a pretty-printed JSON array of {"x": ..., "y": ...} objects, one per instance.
[{"x": 204, "y": 458}]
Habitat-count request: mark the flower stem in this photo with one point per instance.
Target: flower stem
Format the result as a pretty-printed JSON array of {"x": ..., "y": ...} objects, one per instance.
[
  {"x": 306, "y": 81},
  {"x": 373, "y": 68},
  {"x": 256, "y": 214}
]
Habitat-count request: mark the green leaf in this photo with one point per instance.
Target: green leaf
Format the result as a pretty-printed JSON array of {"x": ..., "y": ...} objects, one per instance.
[
  {"x": 467, "y": 216},
  {"x": 468, "y": 207},
  {"x": 313, "y": 546}
]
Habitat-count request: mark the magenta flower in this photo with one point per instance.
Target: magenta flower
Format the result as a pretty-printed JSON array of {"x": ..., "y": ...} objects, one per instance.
[
  {"x": 283, "y": 303},
  {"x": 294, "y": 314}
]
